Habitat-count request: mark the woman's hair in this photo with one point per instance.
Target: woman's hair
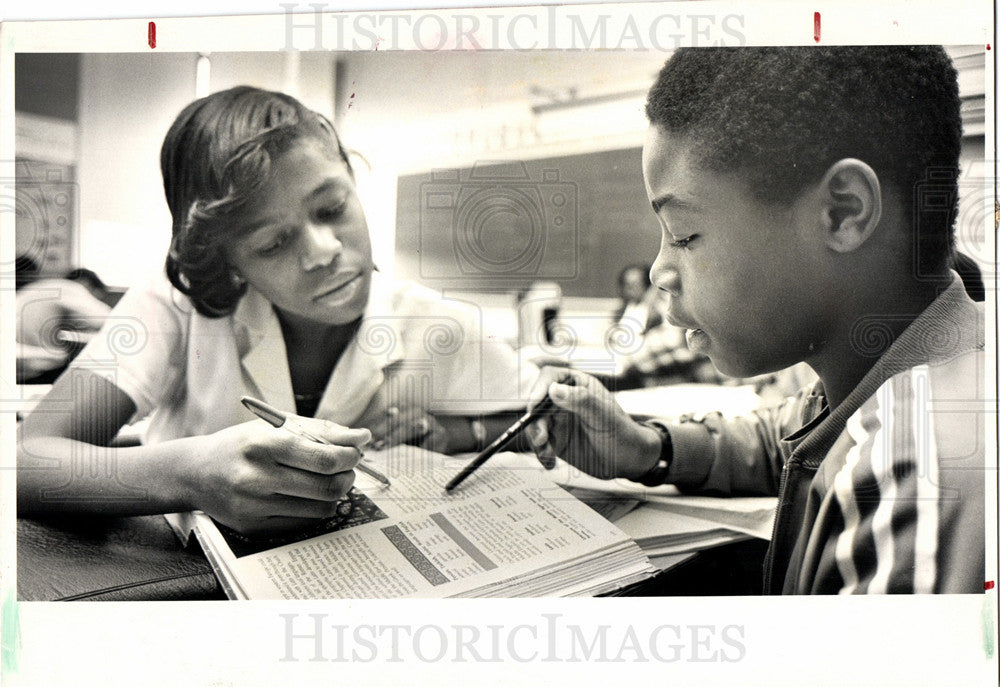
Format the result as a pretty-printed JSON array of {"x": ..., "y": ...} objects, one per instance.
[{"x": 215, "y": 160}]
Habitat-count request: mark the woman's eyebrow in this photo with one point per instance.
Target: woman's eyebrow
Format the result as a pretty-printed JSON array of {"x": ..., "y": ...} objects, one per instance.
[{"x": 331, "y": 184}]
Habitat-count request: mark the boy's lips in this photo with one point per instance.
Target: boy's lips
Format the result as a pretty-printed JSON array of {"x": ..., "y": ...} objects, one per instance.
[
  {"x": 678, "y": 322},
  {"x": 697, "y": 340}
]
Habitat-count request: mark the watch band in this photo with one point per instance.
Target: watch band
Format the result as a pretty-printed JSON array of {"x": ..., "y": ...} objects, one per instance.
[{"x": 657, "y": 475}]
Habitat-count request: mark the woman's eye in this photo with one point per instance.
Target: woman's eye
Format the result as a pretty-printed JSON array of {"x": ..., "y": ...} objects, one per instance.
[
  {"x": 331, "y": 212},
  {"x": 684, "y": 242},
  {"x": 273, "y": 247}
]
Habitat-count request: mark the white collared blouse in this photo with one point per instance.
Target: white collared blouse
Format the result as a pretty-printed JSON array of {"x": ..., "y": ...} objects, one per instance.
[{"x": 187, "y": 372}]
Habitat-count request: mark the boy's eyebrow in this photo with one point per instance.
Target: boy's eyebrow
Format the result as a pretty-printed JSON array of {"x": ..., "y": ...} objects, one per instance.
[{"x": 669, "y": 200}]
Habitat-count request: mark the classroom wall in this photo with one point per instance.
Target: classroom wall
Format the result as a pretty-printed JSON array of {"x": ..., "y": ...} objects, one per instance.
[
  {"x": 127, "y": 103},
  {"x": 406, "y": 114},
  {"x": 409, "y": 114}
]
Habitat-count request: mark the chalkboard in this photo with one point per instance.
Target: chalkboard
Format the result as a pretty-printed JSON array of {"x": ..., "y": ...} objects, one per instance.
[{"x": 576, "y": 220}]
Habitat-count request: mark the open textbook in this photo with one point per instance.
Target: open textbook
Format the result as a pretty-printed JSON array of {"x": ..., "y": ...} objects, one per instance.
[{"x": 509, "y": 531}]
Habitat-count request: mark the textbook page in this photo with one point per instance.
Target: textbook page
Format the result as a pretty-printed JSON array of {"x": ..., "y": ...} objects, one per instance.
[{"x": 508, "y": 530}]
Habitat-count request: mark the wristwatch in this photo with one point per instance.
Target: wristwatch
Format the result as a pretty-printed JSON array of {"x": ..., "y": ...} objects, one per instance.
[{"x": 657, "y": 475}]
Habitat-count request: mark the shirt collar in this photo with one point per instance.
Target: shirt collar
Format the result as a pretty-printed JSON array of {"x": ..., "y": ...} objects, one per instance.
[
  {"x": 950, "y": 326},
  {"x": 377, "y": 344}
]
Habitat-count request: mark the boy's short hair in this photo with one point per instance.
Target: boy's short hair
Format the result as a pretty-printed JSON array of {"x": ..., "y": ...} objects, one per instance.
[{"x": 780, "y": 116}]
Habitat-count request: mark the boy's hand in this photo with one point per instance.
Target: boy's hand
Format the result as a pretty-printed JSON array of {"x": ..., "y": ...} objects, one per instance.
[
  {"x": 256, "y": 478},
  {"x": 589, "y": 429}
]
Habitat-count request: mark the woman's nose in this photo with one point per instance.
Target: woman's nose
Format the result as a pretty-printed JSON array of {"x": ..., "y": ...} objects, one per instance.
[{"x": 321, "y": 247}]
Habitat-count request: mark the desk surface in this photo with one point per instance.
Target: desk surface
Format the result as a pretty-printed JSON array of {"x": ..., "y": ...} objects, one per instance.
[
  {"x": 139, "y": 558},
  {"x": 108, "y": 559}
]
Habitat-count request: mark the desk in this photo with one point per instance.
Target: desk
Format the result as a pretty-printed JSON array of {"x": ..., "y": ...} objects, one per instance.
[
  {"x": 140, "y": 558},
  {"x": 735, "y": 569},
  {"x": 109, "y": 559}
]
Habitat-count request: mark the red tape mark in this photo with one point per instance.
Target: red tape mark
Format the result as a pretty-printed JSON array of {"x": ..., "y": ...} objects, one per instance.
[
  {"x": 151, "y": 34},
  {"x": 988, "y": 586},
  {"x": 816, "y": 26}
]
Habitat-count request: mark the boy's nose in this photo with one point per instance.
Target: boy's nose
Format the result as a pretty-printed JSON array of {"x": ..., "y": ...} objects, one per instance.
[
  {"x": 666, "y": 278},
  {"x": 321, "y": 247}
]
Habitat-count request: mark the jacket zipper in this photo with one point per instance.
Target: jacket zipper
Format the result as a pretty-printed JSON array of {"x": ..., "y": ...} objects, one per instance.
[{"x": 769, "y": 558}]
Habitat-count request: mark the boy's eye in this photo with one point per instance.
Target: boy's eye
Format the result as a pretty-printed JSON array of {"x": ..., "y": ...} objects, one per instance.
[{"x": 684, "y": 242}]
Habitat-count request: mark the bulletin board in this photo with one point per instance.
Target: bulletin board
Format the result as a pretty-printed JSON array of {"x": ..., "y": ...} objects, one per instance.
[{"x": 576, "y": 220}]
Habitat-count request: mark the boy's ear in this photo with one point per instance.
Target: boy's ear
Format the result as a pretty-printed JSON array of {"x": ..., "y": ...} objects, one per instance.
[{"x": 852, "y": 204}]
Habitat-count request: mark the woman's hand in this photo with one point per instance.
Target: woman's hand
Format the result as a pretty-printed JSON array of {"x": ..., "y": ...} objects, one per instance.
[
  {"x": 255, "y": 478},
  {"x": 589, "y": 429},
  {"x": 409, "y": 425}
]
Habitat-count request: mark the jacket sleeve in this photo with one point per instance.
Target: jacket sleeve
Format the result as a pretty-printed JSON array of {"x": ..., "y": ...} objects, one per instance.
[
  {"x": 731, "y": 456},
  {"x": 905, "y": 513}
]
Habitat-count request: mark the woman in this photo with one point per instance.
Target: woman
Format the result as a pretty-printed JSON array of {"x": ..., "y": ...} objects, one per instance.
[{"x": 272, "y": 293}]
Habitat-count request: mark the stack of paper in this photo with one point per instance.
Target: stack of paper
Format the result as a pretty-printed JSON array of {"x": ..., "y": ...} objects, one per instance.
[
  {"x": 752, "y": 515},
  {"x": 659, "y": 531},
  {"x": 507, "y": 531}
]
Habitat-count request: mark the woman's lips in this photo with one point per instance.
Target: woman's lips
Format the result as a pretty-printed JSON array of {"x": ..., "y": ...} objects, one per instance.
[{"x": 342, "y": 291}]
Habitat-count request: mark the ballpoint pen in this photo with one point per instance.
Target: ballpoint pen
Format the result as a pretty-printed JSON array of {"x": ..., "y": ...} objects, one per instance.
[
  {"x": 544, "y": 406},
  {"x": 292, "y": 423}
]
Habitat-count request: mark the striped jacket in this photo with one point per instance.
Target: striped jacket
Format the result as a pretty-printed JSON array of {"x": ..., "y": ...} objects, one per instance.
[{"x": 886, "y": 493}]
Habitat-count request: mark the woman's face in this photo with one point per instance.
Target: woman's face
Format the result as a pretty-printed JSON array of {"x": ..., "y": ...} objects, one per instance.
[{"x": 308, "y": 249}]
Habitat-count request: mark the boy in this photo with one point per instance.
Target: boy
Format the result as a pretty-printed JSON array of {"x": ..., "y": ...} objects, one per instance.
[{"x": 790, "y": 187}]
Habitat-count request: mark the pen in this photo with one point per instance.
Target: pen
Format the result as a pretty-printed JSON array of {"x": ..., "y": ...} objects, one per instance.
[
  {"x": 72, "y": 336},
  {"x": 290, "y": 422},
  {"x": 544, "y": 406}
]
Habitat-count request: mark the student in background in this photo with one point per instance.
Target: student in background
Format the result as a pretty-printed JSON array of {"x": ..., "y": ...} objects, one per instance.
[
  {"x": 93, "y": 283},
  {"x": 537, "y": 313},
  {"x": 652, "y": 349},
  {"x": 54, "y": 317},
  {"x": 640, "y": 308},
  {"x": 270, "y": 291},
  {"x": 784, "y": 179}
]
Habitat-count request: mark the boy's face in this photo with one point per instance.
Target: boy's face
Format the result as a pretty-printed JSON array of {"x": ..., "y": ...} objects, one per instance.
[{"x": 741, "y": 275}]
